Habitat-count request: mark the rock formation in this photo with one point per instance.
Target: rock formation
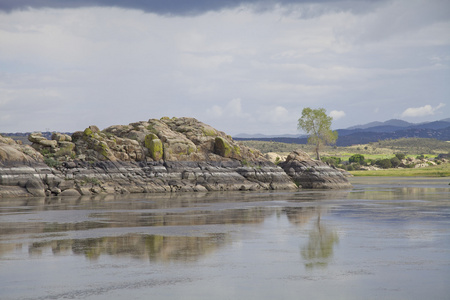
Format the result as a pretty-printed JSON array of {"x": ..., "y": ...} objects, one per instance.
[
  {"x": 313, "y": 174},
  {"x": 165, "y": 155}
]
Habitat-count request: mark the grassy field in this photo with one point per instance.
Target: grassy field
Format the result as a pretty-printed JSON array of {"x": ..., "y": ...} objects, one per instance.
[
  {"x": 384, "y": 149},
  {"x": 442, "y": 170},
  {"x": 429, "y": 148}
]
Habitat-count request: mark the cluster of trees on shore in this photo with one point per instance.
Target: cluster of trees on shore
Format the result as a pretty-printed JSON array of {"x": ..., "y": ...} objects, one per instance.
[{"x": 358, "y": 162}]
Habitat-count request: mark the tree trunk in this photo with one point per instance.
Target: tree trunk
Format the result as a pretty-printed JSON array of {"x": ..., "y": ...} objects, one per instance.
[{"x": 317, "y": 152}]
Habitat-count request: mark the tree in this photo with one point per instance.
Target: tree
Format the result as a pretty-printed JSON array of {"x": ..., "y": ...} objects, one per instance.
[
  {"x": 357, "y": 158},
  {"x": 317, "y": 124}
]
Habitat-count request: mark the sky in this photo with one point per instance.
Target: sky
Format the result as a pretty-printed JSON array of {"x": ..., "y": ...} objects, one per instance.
[{"x": 240, "y": 66}]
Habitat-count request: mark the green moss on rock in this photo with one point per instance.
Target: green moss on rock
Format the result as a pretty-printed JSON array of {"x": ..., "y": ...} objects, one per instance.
[
  {"x": 148, "y": 138},
  {"x": 222, "y": 147},
  {"x": 209, "y": 131},
  {"x": 88, "y": 132},
  {"x": 103, "y": 149},
  {"x": 154, "y": 146}
]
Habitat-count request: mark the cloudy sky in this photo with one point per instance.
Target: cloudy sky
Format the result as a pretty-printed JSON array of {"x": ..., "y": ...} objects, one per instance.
[{"x": 240, "y": 66}]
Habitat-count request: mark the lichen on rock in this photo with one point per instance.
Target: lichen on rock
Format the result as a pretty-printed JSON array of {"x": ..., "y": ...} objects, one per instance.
[{"x": 154, "y": 146}]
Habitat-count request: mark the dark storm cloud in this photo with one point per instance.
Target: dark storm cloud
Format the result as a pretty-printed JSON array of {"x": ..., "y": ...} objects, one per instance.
[{"x": 170, "y": 7}]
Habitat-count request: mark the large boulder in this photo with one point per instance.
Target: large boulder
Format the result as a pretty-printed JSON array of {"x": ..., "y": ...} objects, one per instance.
[
  {"x": 313, "y": 174},
  {"x": 12, "y": 151}
]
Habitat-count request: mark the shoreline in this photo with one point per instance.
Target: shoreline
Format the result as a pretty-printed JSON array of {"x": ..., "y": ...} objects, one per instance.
[{"x": 434, "y": 171}]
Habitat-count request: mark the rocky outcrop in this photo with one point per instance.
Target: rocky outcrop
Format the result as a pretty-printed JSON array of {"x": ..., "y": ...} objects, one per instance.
[
  {"x": 312, "y": 174},
  {"x": 166, "y": 155},
  {"x": 176, "y": 139},
  {"x": 82, "y": 178}
]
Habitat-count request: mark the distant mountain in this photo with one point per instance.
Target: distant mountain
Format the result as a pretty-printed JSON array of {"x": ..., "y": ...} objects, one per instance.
[
  {"x": 264, "y": 136},
  {"x": 364, "y": 137},
  {"x": 376, "y": 131},
  {"x": 392, "y": 122}
]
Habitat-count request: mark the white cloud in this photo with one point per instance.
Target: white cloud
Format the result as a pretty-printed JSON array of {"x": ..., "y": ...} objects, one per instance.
[
  {"x": 232, "y": 109},
  {"x": 337, "y": 114},
  {"x": 215, "y": 111},
  {"x": 77, "y": 62},
  {"x": 274, "y": 115},
  {"x": 422, "y": 111}
]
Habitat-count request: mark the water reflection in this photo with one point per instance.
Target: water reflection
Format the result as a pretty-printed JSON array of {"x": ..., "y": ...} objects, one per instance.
[
  {"x": 155, "y": 248},
  {"x": 318, "y": 252},
  {"x": 194, "y": 224},
  {"x": 393, "y": 241}
]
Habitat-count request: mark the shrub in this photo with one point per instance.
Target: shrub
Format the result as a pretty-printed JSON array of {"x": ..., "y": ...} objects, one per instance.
[
  {"x": 333, "y": 161},
  {"x": 356, "y": 158},
  {"x": 369, "y": 162},
  {"x": 45, "y": 151},
  {"x": 51, "y": 162},
  {"x": 356, "y": 166},
  {"x": 64, "y": 151},
  {"x": 395, "y": 162},
  {"x": 384, "y": 163},
  {"x": 400, "y": 156}
]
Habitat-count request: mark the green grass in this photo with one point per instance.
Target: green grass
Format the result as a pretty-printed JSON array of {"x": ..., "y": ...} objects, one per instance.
[{"x": 442, "y": 170}]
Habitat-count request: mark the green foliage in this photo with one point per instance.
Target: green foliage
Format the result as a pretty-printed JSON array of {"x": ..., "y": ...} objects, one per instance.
[
  {"x": 442, "y": 170},
  {"x": 317, "y": 124},
  {"x": 400, "y": 156},
  {"x": 245, "y": 163},
  {"x": 332, "y": 161},
  {"x": 384, "y": 163},
  {"x": 369, "y": 162},
  {"x": 66, "y": 151},
  {"x": 416, "y": 145},
  {"x": 45, "y": 152},
  {"x": 51, "y": 162},
  {"x": 356, "y": 158},
  {"x": 395, "y": 162},
  {"x": 91, "y": 180}
]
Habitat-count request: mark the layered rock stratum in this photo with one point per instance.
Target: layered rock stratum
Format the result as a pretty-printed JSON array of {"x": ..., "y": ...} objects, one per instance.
[{"x": 158, "y": 155}]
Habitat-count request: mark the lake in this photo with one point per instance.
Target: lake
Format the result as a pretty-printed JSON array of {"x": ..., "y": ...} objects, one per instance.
[{"x": 387, "y": 238}]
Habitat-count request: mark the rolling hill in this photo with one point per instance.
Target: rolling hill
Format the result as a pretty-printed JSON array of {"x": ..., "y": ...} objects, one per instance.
[{"x": 376, "y": 131}]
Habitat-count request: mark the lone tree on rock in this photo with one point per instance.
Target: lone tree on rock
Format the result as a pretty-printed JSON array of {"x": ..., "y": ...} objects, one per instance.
[{"x": 317, "y": 124}]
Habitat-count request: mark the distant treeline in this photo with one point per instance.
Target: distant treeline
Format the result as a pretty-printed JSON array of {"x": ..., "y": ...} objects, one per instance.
[{"x": 405, "y": 145}]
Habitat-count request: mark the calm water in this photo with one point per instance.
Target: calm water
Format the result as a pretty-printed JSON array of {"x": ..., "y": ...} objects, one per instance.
[{"x": 388, "y": 238}]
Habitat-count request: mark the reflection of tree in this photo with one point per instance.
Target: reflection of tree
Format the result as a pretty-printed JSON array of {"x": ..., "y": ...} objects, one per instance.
[{"x": 319, "y": 250}]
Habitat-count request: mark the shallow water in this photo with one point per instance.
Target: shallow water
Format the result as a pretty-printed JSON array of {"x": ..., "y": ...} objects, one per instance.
[{"x": 388, "y": 238}]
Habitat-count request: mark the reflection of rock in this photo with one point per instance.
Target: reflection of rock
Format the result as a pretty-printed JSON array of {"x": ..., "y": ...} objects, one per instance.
[
  {"x": 300, "y": 215},
  {"x": 146, "y": 247},
  {"x": 309, "y": 173}
]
